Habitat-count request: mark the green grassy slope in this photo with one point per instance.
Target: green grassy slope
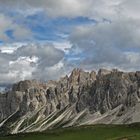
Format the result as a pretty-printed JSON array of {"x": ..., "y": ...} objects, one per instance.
[{"x": 98, "y": 132}]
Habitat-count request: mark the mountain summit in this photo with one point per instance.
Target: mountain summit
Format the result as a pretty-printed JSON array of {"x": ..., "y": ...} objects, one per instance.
[{"x": 83, "y": 98}]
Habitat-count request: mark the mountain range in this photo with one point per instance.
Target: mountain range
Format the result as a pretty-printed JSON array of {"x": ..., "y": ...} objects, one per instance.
[{"x": 83, "y": 98}]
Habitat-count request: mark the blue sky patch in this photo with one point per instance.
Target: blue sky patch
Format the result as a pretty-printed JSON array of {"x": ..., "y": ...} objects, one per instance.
[
  {"x": 9, "y": 33},
  {"x": 46, "y": 28}
]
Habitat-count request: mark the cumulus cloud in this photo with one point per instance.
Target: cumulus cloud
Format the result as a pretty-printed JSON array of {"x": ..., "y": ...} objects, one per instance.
[
  {"x": 48, "y": 55},
  {"x": 29, "y": 62},
  {"x": 51, "y": 73}
]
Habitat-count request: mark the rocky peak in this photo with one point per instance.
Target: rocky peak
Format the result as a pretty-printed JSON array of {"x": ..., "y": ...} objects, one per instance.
[
  {"x": 75, "y": 76},
  {"x": 78, "y": 76},
  {"x": 27, "y": 84},
  {"x": 103, "y": 72},
  {"x": 138, "y": 74}
]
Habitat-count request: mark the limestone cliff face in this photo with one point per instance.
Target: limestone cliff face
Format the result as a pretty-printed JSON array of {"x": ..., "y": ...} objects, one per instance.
[{"x": 82, "y": 98}]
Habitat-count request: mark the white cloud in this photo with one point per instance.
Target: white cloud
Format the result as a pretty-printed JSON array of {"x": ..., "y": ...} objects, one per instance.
[
  {"x": 10, "y": 48},
  {"x": 65, "y": 46}
]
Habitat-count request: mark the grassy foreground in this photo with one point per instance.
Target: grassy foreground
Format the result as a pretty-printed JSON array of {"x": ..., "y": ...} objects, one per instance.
[{"x": 98, "y": 132}]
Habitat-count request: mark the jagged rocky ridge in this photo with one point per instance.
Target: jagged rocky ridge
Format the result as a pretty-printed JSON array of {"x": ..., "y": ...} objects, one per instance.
[{"x": 83, "y": 98}]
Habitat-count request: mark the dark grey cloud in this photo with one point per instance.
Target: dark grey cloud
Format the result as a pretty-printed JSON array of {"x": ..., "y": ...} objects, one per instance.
[
  {"x": 72, "y": 8},
  {"x": 48, "y": 55},
  {"x": 115, "y": 44}
]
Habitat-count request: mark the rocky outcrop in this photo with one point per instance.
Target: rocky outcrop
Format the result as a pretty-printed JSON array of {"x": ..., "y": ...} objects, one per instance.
[{"x": 79, "y": 99}]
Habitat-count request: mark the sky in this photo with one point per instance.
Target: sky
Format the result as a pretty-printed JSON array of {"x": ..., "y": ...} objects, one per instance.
[{"x": 46, "y": 39}]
